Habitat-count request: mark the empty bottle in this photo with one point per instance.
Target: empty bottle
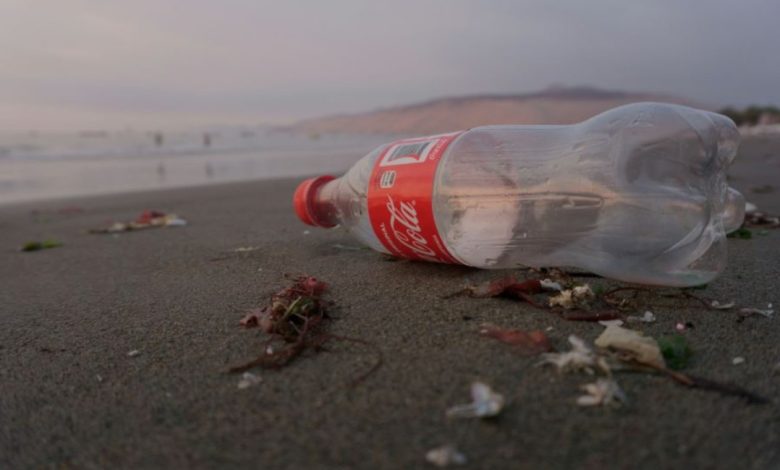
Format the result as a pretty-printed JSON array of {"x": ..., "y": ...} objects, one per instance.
[{"x": 637, "y": 193}]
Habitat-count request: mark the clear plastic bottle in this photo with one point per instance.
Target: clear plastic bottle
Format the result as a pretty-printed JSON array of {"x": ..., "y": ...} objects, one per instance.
[{"x": 637, "y": 193}]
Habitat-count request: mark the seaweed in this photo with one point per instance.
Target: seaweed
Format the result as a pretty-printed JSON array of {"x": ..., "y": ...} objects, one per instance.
[{"x": 296, "y": 321}]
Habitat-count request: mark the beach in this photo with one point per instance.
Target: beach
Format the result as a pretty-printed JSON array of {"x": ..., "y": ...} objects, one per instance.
[{"x": 71, "y": 395}]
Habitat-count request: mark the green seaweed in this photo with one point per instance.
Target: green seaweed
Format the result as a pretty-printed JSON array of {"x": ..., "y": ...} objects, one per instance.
[
  {"x": 675, "y": 350},
  {"x": 741, "y": 233},
  {"x": 44, "y": 245}
]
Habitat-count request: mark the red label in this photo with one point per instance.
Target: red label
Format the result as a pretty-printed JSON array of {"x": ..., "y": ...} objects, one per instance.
[{"x": 399, "y": 198}]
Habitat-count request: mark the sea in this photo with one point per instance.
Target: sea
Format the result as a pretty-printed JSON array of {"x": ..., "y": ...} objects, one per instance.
[{"x": 46, "y": 165}]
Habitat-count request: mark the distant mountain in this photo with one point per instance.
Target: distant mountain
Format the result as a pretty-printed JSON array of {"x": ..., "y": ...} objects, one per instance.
[{"x": 556, "y": 105}]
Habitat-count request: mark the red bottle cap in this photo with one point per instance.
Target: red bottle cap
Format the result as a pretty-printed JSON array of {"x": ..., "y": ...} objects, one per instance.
[{"x": 303, "y": 200}]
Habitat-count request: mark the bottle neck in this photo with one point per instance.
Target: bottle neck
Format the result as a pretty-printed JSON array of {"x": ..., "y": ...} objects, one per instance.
[
  {"x": 314, "y": 204},
  {"x": 323, "y": 204}
]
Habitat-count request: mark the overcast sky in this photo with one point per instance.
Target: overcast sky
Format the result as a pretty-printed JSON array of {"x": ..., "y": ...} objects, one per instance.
[{"x": 109, "y": 64}]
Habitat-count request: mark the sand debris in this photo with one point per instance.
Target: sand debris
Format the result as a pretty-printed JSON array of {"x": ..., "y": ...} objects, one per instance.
[
  {"x": 340, "y": 246},
  {"x": 445, "y": 456},
  {"x": 635, "y": 352},
  {"x": 548, "y": 284},
  {"x": 485, "y": 403},
  {"x": 758, "y": 219},
  {"x": 245, "y": 249},
  {"x": 719, "y": 306},
  {"x": 602, "y": 392},
  {"x": 507, "y": 286},
  {"x": 147, "y": 219},
  {"x": 134, "y": 353},
  {"x": 768, "y": 312},
  {"x": 577, "y": 297}
]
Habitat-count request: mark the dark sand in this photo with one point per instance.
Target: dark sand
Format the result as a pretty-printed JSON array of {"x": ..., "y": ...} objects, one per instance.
[{"x": 71, "y": 314}]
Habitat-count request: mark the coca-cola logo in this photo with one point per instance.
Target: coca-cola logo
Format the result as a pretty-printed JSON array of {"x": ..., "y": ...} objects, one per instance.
[{"x": 406, "y": 229}]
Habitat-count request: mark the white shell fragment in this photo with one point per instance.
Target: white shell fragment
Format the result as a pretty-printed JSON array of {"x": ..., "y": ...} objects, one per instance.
[
  {"x": 581, "y": 357},
  {"x": 643, "y": 348},
  {"x": 248, "y": 379},
  {"x": 757, "y": 311},
  {"x": 602, "y": 392},
  {"x": 485, "y": 403}
]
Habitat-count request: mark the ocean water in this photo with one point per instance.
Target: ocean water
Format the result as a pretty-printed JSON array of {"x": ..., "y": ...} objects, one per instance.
[{"x": 53, "y": 165}]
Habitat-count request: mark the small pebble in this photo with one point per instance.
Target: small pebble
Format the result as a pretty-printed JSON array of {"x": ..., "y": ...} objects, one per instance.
[
  {"x": 647, "y": 317},
  {"x": 445, "y": 456},
  {"x": 134, "y": 353},
  {"x": 738, "y": 360}
]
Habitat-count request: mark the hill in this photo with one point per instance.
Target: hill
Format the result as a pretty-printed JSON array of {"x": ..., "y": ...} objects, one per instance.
[{"x": 551, "y": 106}]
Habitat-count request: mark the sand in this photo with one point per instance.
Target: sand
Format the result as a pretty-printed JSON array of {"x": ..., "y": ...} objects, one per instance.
[{"x": 72, "y": 397}]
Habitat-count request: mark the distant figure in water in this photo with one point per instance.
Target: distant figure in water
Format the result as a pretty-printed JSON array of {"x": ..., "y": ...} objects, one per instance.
[
  {"x": 209, "y": 170},
  {"x": 161, "y": 171},
  {"x": 158, "y": 139},
  {"x": 206, "y": 140}
]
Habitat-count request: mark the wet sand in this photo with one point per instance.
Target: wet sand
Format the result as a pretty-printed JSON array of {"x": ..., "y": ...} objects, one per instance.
[{"x": 71, "y": 397}]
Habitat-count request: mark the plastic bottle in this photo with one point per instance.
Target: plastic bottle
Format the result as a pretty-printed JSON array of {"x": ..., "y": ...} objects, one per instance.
[{"x": 637, "y": 193}]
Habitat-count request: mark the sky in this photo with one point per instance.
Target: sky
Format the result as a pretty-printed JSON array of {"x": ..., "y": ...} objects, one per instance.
[{"x": 100, "y": 64}]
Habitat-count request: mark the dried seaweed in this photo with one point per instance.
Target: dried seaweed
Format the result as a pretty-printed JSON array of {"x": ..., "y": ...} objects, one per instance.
[
  {"x": 297, "y": 318},
  {"x": 295, "y": 315},
  {"x": 590, "y": 316},
  {"x": 529, "y": 343},
  {"x": 707, "y": 384},
  {"x": 505, "y": 286},
  {"x": 760, "y": 220}
]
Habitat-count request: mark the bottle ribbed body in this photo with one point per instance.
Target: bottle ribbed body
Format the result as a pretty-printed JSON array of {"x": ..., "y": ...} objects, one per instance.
[{"x": 637, "y": 193}]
